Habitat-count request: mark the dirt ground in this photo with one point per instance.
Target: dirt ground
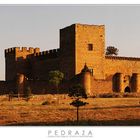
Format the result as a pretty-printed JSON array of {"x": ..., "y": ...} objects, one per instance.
[{"x": 99, "y": 111}]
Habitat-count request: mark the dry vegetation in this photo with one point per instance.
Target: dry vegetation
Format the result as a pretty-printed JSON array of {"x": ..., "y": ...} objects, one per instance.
[{"x": 57, "y": 111}]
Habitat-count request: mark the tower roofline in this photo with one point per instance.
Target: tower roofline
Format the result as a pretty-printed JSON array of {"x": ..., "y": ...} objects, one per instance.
[{"x": 80, "y": 24}]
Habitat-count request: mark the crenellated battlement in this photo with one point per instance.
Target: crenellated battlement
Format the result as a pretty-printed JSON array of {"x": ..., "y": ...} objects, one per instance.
[
  {"x": 123, "y": 58},
  {"x": 22, "y": 49},
  {"x": 32, "y": 52},
  {"x": 47, "y": 54},
  {"x": 10, "y": 50}
]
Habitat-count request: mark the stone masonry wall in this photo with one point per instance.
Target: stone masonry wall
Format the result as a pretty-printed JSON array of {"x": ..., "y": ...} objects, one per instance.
[
  {"x": 101, "y": 86},
  {"x": 95, "y": 35},
  {"x": 124, "y": 65},
  {"x": 67, "y": 51}
]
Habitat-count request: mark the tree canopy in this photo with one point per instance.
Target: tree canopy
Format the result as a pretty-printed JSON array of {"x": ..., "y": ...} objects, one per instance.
[
  {"x": 78, "y": 103},
  {"x": 111, "y": 50},
  {"x": 77, "y": 91},
  {"x": 55, "y": 78}
]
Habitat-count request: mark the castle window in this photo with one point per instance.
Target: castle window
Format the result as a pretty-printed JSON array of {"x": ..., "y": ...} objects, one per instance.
[{"x": 90, "y": 47}]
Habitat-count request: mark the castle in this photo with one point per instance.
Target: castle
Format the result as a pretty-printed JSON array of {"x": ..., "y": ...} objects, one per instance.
[{"x": 79, "y": 44}]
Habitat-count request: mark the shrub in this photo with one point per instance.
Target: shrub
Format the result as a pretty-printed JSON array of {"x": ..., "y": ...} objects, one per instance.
[
  {"x": 109, "y": 95},
  {"x": 115, "y": 95},
  {"x": 50, "y": 101},
  {"x": 46, "y": 103}
]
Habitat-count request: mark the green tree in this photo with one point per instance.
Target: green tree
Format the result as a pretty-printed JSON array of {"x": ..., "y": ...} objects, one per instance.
[
  {"x": 78, "y": 92},
  {"x": 111, "y": 50},
  {"x": 55, "y": 78}
]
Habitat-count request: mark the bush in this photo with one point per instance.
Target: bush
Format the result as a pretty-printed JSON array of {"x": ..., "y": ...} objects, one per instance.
[
  {"x": 109, "y": 95},
  {"x": 106, "y": 95},
  {"x": 45, "y": 103},
  {"x": 53, "y": 101},
  {"x": 115, "y": 95}
]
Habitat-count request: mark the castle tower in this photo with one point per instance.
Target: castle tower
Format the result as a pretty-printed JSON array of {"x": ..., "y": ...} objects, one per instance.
[
  {"x": 89, "y": 48},
  {"x": 80, "y": 43},
  {"x": 86, "y": 79},
  {"x": 67, "y": 51},
  {"x": 10, "y": 64},
  {"x": 16, "y": 61}
]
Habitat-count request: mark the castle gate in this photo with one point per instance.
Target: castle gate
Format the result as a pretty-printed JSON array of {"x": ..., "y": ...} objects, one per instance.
[{"x": 127, "y": 89}]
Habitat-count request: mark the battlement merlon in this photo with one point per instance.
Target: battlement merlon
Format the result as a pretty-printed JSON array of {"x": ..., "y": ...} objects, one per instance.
[
  {"x": 16, "y": 50},
  {"x": 47, "y": 54}
]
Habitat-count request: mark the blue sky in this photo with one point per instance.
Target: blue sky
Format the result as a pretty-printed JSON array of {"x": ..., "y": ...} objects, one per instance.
[{"x": 38, "y": 26}]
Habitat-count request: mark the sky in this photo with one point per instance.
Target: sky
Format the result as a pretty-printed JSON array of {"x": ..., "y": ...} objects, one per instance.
[{"x": 38, "y": 26}]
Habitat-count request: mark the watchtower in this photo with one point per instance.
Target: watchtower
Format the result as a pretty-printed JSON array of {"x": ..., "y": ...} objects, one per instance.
[
  {"x": 80, "y": 43},
  {"x": 16, "y": 61}
]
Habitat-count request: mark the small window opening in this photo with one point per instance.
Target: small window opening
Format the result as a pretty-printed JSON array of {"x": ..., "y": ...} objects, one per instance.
[
  {"x": 90, "y": 47},
  {"x": 91, "y": 70}
]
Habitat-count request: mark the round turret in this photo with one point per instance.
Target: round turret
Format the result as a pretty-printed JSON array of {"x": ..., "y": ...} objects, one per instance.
[
  {"x": 20, "y": 78},
  {"x": 121, "y": 82},
  {"x": 20, "y": 84},
  {"x": 86, "y": 79},
  {"x": 137, "y": 82}
]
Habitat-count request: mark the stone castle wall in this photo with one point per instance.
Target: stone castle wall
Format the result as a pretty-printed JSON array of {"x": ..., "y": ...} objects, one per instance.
[
  {"x": 126, "y": 65},
  {"x": 6, "y": 87},
  {"x": 16, "y": 61},
  {"x": 101, "y": 86},
  {"x": 44, "y": 62},
  {"x": 30, "y": 62}
]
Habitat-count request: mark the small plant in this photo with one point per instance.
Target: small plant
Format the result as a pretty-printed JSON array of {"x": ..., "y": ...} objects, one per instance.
[
  {"x": 78, "y": 103},
  {"x": 45, "y": 103}
]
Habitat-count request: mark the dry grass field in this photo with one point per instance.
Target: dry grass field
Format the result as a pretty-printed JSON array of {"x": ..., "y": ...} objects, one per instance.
[{"x": 99, "y": 111}]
